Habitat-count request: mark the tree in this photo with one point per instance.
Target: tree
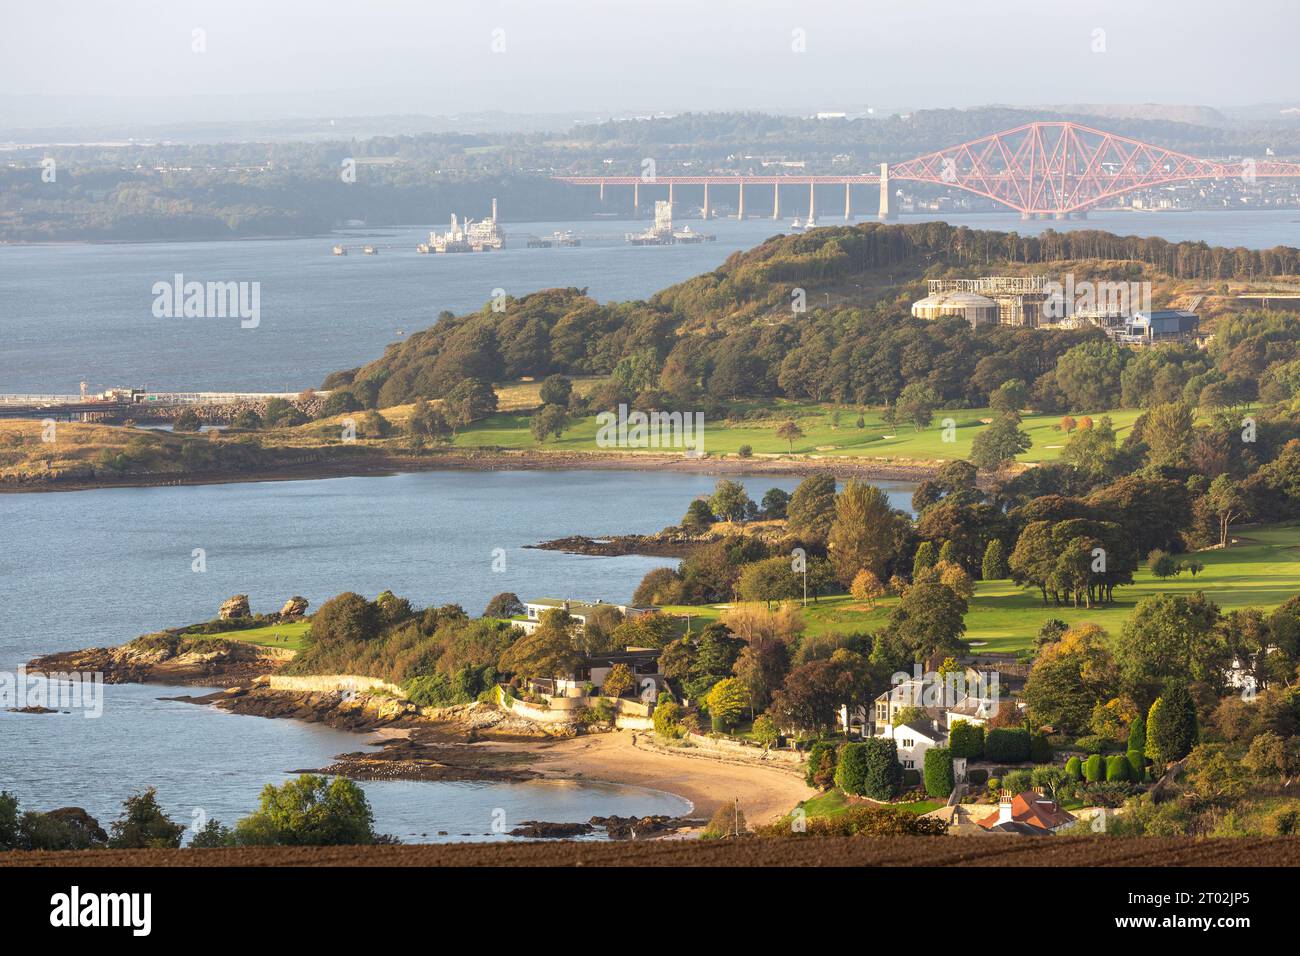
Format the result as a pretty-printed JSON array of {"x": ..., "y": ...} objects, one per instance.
[
  {"x": 812, "y": 506},
  {"x": 144, "y": 825},
  {"x": 851, "y": 769},
  {"x": 916, "y": 404},
  {"x": 994, "y": 565},
  {"x": 729, "y": 501},
  {"x": 1167, "y": 432},
  {"x": 698, "y": 517},
  {"x": 926, "y": 557},
  {"x": 927, "y": 620},
  {"x": 556, "y": 390},
  {"x": 1009, "y": 397},
  {"x": 864, "y": 532},
  {"x": 247, "y": 420},
  {"x": 344, "y": 619},
  {"x": 428, "y": 423},
  {"x": 1227, "y": 503},
  {"x": 1274, "y": 757},
  {"x": 761, "y": 667},
  {"x": 820, "y": 769},
  {"x": 548, "y": 651},
  {"x": 954, "y": 576},
  {"x": 1088, "y": 375},
  {"x": 764, "y": 731},
  {"x": 1068, "y": 679},
  {"x": 727, "y": 702},
  {"x": 867, "y": 588},
  {"x": 775, "y": 502},
  {"x": 1170, "y": 636},
  {"x": 1092, "y": 450},
  {"x": 789, "y": 432},
  {"x": 1137, "y": 733},
  {"x": 504, "y": 605},
  {"x": 1171, "y": 726},
  {"x": 309, "y": 811},
  {"x": 939, "y": 780},
  {"x": 667, "y": 720},
  {"x": 966, "y": 740},
  {"x": 618, "y": 681},
  {"x": 469, "y": 401},
  {"x": 548, "y": 420},
  {"x": 999, "y": 443},
  {"x": 884, "y": 774}
]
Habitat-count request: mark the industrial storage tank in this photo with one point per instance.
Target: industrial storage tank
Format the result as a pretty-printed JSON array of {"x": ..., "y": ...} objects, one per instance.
[{"x": 976, "y": 309}]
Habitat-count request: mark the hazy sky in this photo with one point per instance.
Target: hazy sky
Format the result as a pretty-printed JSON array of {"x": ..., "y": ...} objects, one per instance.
[{"x": 271, "y": 58}]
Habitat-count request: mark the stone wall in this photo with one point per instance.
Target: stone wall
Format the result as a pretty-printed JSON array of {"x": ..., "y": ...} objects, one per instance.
[{"x": 330, "y": 683}]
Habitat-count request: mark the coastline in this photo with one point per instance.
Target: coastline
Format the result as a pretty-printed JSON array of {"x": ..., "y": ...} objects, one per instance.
[{"x": 472, "y": 460}]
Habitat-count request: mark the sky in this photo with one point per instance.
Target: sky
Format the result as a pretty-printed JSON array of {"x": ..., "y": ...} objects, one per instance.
[{"x": 142, "y": 60}]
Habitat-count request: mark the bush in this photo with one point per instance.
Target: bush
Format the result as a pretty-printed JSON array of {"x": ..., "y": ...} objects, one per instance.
[
  {"x": 1040, "y": 748},
  {"x": 764, "y": 730},
  {"x": 1006, "y": 745},
  {"x": 1074, "y": 767},
  {"x": 820, "y": 769},
  {"x": 213, "y": 834},
  {"x": 994, "y": 784},
  {"x": 861, "y": 821},
  {"x": 1117, "y": 769},
  {"x": 966, "y": 740},
  {"x": 728, "y": 820},
  {"x": 1017, "y": 781},
  {"x": 309, "y": 811},
  {"x": 1094, "y": 744},
  {"x": 1137, "y": 766},
  {"x": 1094, "y": 769},
  {"x": 911, "y": 777},
  {"x": 668, "y": 721},
  {"x": 939, "y": 781},
  {"x": 1284, "y": 821},
  {"x": 851, "y": 768},
  {"x": 746, "y": 451},
  {"x": 977, "y": 778}
]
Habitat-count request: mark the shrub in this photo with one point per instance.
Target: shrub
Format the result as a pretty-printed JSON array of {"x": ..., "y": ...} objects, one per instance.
[
  {"x": 1117, "y": 769},
  {"x": 1094, "y": 744},
  {"x": 977, "y": 778},
  {"x": 1284, "y": 821},
  {"x": 1040, "y": 748},
  {"x": 1006, "y": 745},
  {"x": 966, "y": 740},
  {"x": 820, "y": 769},
  {"x": 746, "y": 451},
  {"x": 727, "y": 821},
  {"x": 1094, "y": 769},
  {"x": 1074, "y": 767},
  {"x": 939, "y": 781},
  {"x": 861, "y": 821},
  {"x": 668, "y": 721},
  {"x": 764, "y": 730},
  {"x": 1017, "y": 781},
  {"x": 994, "y": 784},
  {"x": 911, "y": 777},
  {"x": 213, "y": 834},
  {"x": 1137, "y": 766},
  {"x": 851, "y": 768}
]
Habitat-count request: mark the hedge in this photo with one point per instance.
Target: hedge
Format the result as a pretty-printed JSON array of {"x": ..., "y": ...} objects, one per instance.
[
  {"x": 1040, "y": 748},
  {"x": 1006, "y": 745},
  {"x": 966, "y": 740},
  {"x": 1094, "y": 769},
  {"x": 911, "y": 778},
  {"x": 977, "y": 777},
  {"x": 939, "y": 780},
  {"x": 1074, "y": 767},
  {"x": 1137, "y": 765},
  {"x": 851, "y": 769},
  {"x": 1117, "y": 769}
]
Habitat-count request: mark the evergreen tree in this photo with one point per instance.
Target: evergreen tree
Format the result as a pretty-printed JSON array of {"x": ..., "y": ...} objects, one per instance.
[{"x": 994, "y": 567}]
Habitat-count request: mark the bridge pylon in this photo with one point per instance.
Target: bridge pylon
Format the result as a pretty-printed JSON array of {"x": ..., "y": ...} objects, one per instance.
[{"x": 886, "y": 209}]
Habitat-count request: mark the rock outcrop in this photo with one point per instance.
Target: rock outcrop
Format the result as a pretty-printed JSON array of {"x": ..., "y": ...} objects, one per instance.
[
  {"x": 294, "y": 607},
  {"x": 234, "y": 608}
]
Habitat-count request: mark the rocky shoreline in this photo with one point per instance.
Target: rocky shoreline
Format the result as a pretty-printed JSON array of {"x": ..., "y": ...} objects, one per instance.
[{"x": 382, "y": 464}]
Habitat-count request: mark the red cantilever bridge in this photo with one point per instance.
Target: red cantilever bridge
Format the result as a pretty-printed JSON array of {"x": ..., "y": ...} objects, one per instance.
[{"x": 1055, "y": 169}]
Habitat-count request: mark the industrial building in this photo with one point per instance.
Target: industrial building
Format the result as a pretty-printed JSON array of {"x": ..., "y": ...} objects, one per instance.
[
  {"x": 1156, "y": 327},
  {"x": 989, "y": 300}
]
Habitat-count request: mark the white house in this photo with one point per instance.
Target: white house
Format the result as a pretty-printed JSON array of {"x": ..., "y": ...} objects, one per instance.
[
  {"x": 913, "y": 740},
  {"x": 578, "y": 610}
]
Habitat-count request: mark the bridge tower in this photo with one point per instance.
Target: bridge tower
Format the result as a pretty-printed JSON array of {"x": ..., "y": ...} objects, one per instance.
[
  {"x": 886, "y": 211},
  {"x": 848, "y": 208},
  {"x": 705, "y": 210},
  {"x": 812, "y": 200},
  {"x": 776, "y": 200},
  {"x": 740, "y": 212}
]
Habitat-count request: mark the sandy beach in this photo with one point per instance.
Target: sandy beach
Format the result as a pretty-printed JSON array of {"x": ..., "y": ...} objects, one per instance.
[{"x": 765, "y": 793}]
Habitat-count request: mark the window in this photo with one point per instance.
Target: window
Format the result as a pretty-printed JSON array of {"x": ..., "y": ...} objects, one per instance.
[
  {"x": 908, "y": 743},
  {"x": 908, "y": 765}
]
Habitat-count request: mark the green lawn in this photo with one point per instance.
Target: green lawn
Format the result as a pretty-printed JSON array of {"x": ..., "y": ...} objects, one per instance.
[
  {"x": 833, "y": 802},
  {"x": 1262, "y": 571},
  {"x": 289, "y": 635},
  {"x": 755, "y": 425}
]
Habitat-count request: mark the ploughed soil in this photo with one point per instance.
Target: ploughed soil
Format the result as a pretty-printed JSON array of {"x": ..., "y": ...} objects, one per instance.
[{"x": 1005, "y": 850}]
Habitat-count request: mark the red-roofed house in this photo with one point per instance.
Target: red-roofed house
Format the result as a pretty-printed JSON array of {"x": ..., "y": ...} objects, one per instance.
[{"x": 1028, "y": 813}]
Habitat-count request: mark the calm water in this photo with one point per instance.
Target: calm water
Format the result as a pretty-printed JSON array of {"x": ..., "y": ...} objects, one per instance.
[
  {"x": 80, "y": 312},
  {"x": 99, "y": 567}
]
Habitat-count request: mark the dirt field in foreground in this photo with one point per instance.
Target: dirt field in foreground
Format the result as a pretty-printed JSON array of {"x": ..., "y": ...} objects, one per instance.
[{"x": 839, "y": 851}]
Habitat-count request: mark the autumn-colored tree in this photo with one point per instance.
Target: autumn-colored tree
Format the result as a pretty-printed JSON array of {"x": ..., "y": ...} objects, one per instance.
[
  {"x": 867, "y": 588},
  {"x": 789, "y": 432},
  {"x": 864, "y": 534},
  {"x": 618, "y": 681}
]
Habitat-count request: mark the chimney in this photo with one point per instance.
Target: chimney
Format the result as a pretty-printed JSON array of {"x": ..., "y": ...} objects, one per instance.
[{"x": 1004, "y": 807}]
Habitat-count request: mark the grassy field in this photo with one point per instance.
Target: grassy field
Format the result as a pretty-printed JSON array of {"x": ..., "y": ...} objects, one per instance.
[
  {"x": 1262, "y": 570},
  {"x": 289, "y": 635},
  {"x": 755, "y": 425},
  {"x": 833, "y": 802}
]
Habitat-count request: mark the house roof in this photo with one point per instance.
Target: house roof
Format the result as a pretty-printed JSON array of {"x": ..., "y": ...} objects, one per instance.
[
  {"x": 929, "y": 733},
  {"x": 1032, "y": 809}
]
